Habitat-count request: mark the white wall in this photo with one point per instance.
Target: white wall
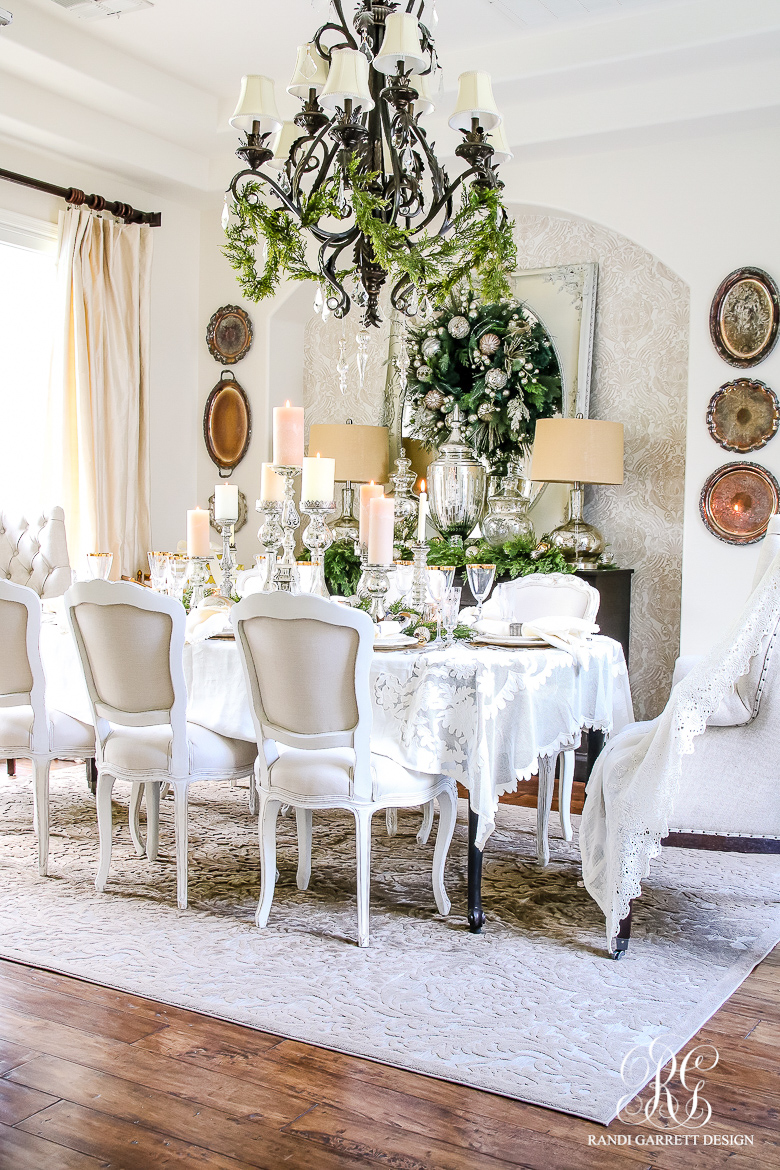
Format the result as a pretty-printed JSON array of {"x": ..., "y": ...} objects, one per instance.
[{"x": 705, "y": 203}]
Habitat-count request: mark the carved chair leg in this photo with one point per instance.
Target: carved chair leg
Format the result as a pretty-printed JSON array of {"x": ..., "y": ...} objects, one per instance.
[
  {"x": 91, "y": 768},
  {"x": 621, "y": 939},
  {"x": 10, "y": 767}
]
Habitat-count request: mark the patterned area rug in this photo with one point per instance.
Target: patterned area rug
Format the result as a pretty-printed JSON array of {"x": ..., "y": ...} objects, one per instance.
[{"x": 530, "y": 1009}]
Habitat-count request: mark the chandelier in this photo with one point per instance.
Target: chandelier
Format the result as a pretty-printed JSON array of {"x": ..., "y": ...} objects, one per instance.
[{"x": 355, "y": 173}]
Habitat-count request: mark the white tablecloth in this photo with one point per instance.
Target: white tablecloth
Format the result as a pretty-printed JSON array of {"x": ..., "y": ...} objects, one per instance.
[{"x": 482, "y": 716}]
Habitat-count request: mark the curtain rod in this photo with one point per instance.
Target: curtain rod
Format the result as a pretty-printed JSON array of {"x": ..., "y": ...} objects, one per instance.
[{"x": 95, "y": 202}]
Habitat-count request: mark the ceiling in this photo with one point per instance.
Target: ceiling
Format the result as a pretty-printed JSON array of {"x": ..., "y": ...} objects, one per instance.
[{"x": 147, "y": 95}]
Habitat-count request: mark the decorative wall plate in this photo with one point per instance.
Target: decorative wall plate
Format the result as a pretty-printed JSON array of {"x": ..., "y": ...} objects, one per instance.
[
  {"x": 744, "y": 317},
  {"x": 737, "y": 501},
  {"x": 227, "y": 424},
  {"x": 243, "y": 513},
  {"x": 229, "y": 335},
  {"x": 743, "y": 415}
]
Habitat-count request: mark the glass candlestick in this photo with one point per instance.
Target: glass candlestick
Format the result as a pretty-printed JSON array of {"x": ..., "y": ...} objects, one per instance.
[
  {"x": 199, "y": 575},
  {"x": 286, "y": 570},
  {"x": 420, "y": 578},
  {"x": 377, "y": 587},
  {"x": 270, "y": 537},
  {"x": 317, "y": 538},
  {"x": 362, "y": 551},
  {"x": 405, "y": 504},
  {"x": 227, "y": 564}
]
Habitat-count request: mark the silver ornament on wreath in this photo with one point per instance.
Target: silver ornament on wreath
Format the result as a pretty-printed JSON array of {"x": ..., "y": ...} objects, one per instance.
[
  {"x": 496, "y": 379},
  {"x": 424, "y": 373},
  {"x": 459, "y": 328},
  {"x": 430, "y": 347},
  {"x": 485, "y": 411},
  {"x": 433, "y": 400},
  {"x": 489, "y": 343}
]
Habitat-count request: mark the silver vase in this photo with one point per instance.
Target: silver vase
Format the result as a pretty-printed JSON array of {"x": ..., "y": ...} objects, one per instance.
[{"x": 457, "y": 485}]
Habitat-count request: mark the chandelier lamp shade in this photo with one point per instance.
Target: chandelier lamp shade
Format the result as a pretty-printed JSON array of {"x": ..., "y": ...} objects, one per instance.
[{"x": 355, "y": 177}]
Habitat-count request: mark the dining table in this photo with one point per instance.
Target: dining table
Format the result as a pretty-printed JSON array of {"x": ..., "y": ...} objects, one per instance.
[{"x": 489, "y": 717}]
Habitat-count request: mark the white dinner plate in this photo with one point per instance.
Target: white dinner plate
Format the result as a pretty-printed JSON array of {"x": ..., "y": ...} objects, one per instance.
[
  {"x": 395, "y": 642},
  {"x": 509, "y": 640}
]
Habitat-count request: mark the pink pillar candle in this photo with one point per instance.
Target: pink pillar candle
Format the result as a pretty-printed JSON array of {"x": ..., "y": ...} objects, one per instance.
[
  {"x": 197, "y": 533},
  {"x": 368, "y": 492},
  {"x": 271, "y": 485},
  {"x": 288, "y": 436},
  {"x": 380, "y": 530}
]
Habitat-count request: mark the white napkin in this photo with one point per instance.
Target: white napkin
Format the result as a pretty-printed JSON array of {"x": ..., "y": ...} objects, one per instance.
[
  {"x": 388, "y": 629},
  {"x": 565, "y": 633},
  {"x": 204, "y": 622},
  {"x": 495, "y": 628}
]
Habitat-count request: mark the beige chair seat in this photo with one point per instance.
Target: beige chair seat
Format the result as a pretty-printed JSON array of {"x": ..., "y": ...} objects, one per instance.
[
  {"x": 329, "y": 771},
  {"x": 148, "y": 749},
  {"x": 65, "y": 733}
]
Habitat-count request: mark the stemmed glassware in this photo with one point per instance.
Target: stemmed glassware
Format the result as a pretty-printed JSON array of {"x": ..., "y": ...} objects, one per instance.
[
  {"x": 440, "y": 579},
  {"x": 99, "y": 565},
  {"x": 480, "y": 578},
  {"x": 158, "y": 569},
  {"x": 403, "y": 580},
  {"x": 450, "y": 612},
  {"x": 178, "y": 572}
]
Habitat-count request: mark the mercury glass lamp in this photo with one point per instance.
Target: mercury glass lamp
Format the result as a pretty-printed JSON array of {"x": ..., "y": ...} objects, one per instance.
[{"x": 362, "y": 455}]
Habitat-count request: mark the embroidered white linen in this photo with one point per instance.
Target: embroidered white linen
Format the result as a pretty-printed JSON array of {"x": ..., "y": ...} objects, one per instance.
[{"x": 633, "y": 787}]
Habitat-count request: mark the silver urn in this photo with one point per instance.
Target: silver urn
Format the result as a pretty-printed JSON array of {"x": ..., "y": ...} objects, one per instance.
[
  {"x": 507, "y": 516},
  {"x": 457, "y": 486}
]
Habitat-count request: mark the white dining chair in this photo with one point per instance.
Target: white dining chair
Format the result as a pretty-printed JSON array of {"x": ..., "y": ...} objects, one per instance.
[
  {"x": 527, "y": 599},
  {"x": 28, "y": 729},
  {"x": 307, "y": 663},
  {"x": 130, "y": 643}
]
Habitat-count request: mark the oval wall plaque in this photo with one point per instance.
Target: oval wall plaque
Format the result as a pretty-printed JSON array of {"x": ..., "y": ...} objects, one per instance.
[
  {"x": 227, "y": 424},
  {"x": 229, "y": 334},
  {"x": 744, "y": 317},
  {"x": 737, "y": 501}
]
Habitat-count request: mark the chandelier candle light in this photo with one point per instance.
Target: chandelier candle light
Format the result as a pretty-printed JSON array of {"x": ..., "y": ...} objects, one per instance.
[{"x": 356, "y": 175}]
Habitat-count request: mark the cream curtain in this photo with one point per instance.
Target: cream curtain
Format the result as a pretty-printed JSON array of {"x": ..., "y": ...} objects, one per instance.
[{"x": 98, "y": 432}]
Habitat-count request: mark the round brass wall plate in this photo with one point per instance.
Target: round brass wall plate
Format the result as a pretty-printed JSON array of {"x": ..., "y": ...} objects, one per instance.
[
  {"x": 737, "y": 501},
  {"x": 229, "y": 334},
  {"x": 743, "y": 415},
  {"x": 227, "y": 424},
  {"x": 744, "y": 317}
]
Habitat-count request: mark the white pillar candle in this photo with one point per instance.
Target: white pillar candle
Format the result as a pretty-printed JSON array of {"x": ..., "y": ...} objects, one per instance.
[
  {"x": 288, "y": 435},
  {"x": 380, "y": 530},
  {"x": 318, "y": 479},
  {"x": 422, "y": 512},
  {"x": 197, "y": 532},
  {"x": 368, "y": 492},
  {"x": 226, "y": 502},
  {"x": 271, "y": 484}
]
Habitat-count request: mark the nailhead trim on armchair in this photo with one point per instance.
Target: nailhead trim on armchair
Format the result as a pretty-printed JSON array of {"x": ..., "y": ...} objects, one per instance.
[{"x": 35, "y": 552}]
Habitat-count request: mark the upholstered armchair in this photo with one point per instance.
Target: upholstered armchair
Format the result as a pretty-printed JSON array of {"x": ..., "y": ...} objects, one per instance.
[{"x": 35, "y": 552}]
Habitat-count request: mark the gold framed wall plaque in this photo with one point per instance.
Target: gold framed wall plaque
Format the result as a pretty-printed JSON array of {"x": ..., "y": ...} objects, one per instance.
[{"x": 744, "y": 317}]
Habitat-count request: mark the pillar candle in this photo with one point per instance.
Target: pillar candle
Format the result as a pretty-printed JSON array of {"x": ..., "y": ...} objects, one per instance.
[
  {"x": 197, "y": 532},
  {"x": 380, "y": 530},
  {"x": 271, "y": 484},
  {"x": 368, "y": 492},
  {"x": 422, "y": 512},
  {"x": 288, "y": 435},
  {"x": 226, "y": 502},
  {"x": 318, "y": 479}
]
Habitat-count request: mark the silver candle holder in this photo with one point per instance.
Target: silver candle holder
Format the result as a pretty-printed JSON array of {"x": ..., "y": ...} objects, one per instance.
[
  {"x": 377, "y": 587},
  {"x": 286, "y": 570},
  {"x": 270, "y": 537},
  {"x": 420, "y": 577},
  {"x": 317, "y": 538},
  {"x": 227, "y": 564},
  {"x": 361, "y": 590},
  {"x": 199, "y": 575}
]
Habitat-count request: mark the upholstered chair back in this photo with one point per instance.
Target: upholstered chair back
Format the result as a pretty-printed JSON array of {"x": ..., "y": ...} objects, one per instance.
[
  {"x": 21, "y": 669},
  {"x": 542, "y": 595},
  {"x": 306, "y": 663},
  {"x": 130, "y": 642},
  {"x": 35, "y": 552}
]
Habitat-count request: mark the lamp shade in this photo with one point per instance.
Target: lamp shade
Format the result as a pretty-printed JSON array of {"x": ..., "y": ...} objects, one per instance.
[
  {"x": 577, "y": 450},
  {"x": 475, "y": 100},
  {"x": 425, "y": 103},
  {"x": 502, "y": 152},
  {"x": 401, "y": 43},
  {"x": 256, "y": 103},
  {"x": 347, "y": 78},
  {"x": 281, "y": 143},
  {"x": 311, "y": 72},
  {"x": 361, "y": 453}
]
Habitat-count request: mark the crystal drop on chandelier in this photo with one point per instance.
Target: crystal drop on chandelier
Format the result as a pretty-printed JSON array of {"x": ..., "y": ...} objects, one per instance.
[
  {"x": 362, "y": 337},
  {"x": 319, "y": 300},
  {"x": 225, "y": 214},
  {"x": 342, "y": 366}
]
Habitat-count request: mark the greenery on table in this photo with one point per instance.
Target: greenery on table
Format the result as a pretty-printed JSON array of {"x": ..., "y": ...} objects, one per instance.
[
  {"x": 513, "y": 558},
  {"x": 342, "y": 567},
  {"x": 496, "y": 362},
  {"x": 414, "y": 621}
]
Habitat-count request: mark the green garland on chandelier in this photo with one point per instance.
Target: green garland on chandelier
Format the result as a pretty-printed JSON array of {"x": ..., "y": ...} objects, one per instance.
[{"x": 480, "y": 245}]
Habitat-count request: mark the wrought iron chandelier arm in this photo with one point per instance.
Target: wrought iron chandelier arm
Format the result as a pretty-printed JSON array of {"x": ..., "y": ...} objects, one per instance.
[
  {"x": 302, "y": 167},
  {"x": 349, "y": 43},
  {"x": 328, "y": 270}
]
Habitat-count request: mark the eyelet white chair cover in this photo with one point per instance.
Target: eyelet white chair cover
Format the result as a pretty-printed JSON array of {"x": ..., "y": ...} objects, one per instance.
[
  {"x": 28, "y": 729},
  {"x": 635, "y": 787},
  {"x": 306, "y": 663},
  {"x": 35, "y": 552}
]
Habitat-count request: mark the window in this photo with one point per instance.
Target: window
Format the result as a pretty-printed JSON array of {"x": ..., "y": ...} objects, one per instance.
[{"x": 28, "y": 254}]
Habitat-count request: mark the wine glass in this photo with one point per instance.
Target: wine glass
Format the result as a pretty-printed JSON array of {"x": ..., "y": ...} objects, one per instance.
[
  {"x": 481, "y": 578},
  {"x": 450, "y": 614},
  {"x": 99, "y": 565},
  {"x": 440, "y": 578},
  {"x": 404, "y": 577},
  {"x": 158, "y": 570},
  {"x": 178, "y": 572}
]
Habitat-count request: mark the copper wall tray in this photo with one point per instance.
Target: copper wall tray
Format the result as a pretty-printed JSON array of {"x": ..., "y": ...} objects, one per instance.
[
  {"x": 743, "y": 415},
  {"x": 243, "y": 514},
  {"x": 227, "y": 424},
  {"x": 744, "y": 317},
  {"x": 229, "y": 335},
  {"x": 737, "y": 501}
]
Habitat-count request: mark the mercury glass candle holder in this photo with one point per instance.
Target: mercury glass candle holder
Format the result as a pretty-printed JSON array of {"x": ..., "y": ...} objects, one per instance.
[
  {"x": 227, "y": 564},
  {"x": 286, "y": 575},
  {"x": 270, "y": 536},
  {"x": 377, "y": 588},
  {"x": 317, "y": 538},
  {"x": 362, "y": 551},
  {"x": 420, "y": 576},
  {"x": 199, "y": 575}
]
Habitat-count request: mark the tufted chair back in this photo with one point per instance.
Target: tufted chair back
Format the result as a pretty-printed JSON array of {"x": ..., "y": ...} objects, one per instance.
[{"x": 35, "y": 552}]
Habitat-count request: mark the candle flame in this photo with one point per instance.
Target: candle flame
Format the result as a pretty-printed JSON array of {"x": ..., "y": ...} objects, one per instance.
[
  {"x": 422, "y": 486},
  {"x": 318, "y": 454},
  {"x": 372, "y": 483},
  {"x": 287, "y": 403}
]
